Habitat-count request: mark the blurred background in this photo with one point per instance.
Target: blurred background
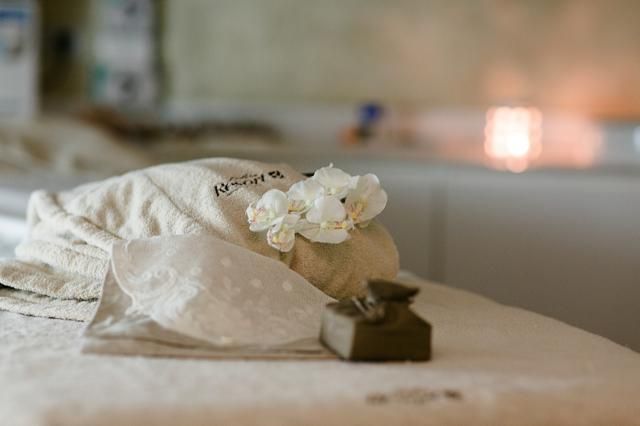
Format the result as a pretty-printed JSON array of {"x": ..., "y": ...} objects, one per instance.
[{"x": 507, "y": 132}]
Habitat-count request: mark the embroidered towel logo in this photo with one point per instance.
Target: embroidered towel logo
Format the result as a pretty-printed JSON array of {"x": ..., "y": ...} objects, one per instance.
[{"x": 233, "y": 184}]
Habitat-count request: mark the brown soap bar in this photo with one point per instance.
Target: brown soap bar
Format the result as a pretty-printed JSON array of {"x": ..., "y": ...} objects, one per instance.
[{"x": 379, "y": 327}]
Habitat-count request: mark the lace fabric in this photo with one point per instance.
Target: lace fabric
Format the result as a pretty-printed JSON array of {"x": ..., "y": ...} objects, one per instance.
[{"x": 203, "y": 289}]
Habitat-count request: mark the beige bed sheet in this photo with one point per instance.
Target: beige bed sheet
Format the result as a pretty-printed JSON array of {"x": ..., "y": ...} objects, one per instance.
[{"x": 492, "y": 365}]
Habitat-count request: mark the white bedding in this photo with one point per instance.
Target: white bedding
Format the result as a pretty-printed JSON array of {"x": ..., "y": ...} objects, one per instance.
[{"x": 492, "y": 365}]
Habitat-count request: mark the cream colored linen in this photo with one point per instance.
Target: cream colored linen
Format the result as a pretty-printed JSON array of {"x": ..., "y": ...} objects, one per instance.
[
  {"x": 492, "y": 365},
  {"x": 66, "y": 146},
  {"x": 196, "y": 295},
  {"x": 71, "y": 232}
]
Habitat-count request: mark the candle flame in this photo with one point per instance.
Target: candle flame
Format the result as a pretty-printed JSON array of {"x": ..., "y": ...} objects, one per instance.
[{"x": 513, "y": 136}]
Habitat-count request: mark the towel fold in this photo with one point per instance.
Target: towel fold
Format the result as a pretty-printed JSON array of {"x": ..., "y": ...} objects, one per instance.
[
  {"x": 66, "y": 254},
  {"x": 192, "y": 295}
]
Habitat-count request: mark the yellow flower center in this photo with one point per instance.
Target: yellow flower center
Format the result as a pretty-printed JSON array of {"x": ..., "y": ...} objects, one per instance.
[
  {"x": 343, "y": 224},
  {"x": 356, "y": 209}
]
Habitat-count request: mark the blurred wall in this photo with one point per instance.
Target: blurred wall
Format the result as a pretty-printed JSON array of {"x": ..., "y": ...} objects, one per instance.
[{"x": 582, "y": 55}]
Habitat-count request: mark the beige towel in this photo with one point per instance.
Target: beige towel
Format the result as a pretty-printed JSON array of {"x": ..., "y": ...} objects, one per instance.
[{"x": 71, "y": 233}]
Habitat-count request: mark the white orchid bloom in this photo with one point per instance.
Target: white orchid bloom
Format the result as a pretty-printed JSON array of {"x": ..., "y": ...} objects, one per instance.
[
  {"x": 302, "y": 195},
  {"x": 366, "y": 200},
  {"x": 326, "y": 221},
  {"x": 334, "y": 181},
  {"x": 282, "y": 235},
  {"x": 270, "y": 208}
]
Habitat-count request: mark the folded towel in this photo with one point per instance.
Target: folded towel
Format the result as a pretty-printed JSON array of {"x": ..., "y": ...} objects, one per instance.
[
  {"x": 66, "y": 253},
  {"x": 192, "y": 295}
]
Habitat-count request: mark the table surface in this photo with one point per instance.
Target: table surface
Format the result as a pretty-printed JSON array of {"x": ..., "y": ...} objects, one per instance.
[{"x": 492, "y": 364}]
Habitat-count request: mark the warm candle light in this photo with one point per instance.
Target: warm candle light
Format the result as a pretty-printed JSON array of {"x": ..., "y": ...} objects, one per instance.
[{"x": 512, "y": 136}]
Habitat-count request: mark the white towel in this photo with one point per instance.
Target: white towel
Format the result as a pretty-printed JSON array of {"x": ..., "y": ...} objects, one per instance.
[
  {"x": 66, "y": 254},
  {"x": 193, "y": 295}
]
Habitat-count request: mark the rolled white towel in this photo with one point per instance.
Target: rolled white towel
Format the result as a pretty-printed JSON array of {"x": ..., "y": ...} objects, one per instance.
[{"x": 66, "y": 253}]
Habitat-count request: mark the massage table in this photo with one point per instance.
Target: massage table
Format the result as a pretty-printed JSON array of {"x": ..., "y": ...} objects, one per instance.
[{"x": 492, "y": 364}]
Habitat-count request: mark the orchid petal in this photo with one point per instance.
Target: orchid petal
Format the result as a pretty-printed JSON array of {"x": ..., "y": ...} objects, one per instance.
[
  {"x": 282, "y": 235},
  {"x": 366, "y": 200},
  {"x": 326, "y": 209},
  {"x": 276, "y": 200},
  {"x": 335, "y": 181},
  {"x": 376, "y": 204},
  {"x": 316, "y": 233},
  {"x": 273, "y": 205},
  {"x": 302, "y": 195}
]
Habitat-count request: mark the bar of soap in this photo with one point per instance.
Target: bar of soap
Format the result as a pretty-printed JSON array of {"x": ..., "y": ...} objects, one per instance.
[{"x": 381, "y": 327}]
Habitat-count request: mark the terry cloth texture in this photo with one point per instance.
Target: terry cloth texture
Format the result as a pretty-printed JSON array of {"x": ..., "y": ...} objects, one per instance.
[{"x": 62, "y": 263}]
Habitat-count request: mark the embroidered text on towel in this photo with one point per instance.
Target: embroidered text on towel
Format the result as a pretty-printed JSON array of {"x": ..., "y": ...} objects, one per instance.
[{"x": 234, "y": 183}]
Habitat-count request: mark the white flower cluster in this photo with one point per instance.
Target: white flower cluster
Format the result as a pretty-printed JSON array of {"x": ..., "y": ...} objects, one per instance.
[{"x": 323, "y": 208}]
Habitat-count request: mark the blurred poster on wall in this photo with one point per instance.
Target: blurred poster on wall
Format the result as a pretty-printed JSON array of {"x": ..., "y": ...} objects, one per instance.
[
  {"x": 124, "y": 71},
  {"x": 18, "y": 60}
]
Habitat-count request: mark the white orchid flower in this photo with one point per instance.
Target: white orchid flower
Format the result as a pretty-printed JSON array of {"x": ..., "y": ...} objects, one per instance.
[
  {"x": 282, "y": 235},
  {"x": 326, "y": 221},
  {"x": 366, "y": 200},
  {"x": 302, "y": 195},
  {"x": 334, "y": 181},
  {"x": 314, "y": 208},
  {"x": 270, "y": 208}
]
